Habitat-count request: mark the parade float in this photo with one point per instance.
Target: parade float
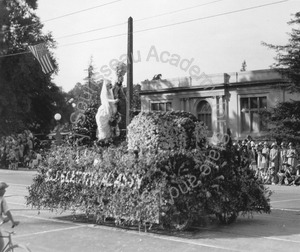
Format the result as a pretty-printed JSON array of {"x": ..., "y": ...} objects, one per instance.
[{"x": 166, "y": 174}]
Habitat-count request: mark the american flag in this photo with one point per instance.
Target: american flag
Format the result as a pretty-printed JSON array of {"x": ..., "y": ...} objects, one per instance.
[{"x": 41, "y": 53}]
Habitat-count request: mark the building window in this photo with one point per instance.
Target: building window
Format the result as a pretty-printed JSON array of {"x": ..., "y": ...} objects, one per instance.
[
  {"x": 251, "y": 117},
  {"x": 204, "y": 114},
  {"x": 161, "y": 106}
]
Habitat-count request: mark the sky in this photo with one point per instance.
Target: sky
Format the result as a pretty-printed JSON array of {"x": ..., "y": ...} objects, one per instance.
[{"x": 175, "y": 38}]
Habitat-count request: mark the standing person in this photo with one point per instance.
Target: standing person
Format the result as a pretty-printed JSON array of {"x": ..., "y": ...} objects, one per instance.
[
  {"x": 274, "y": 157},
  {"x": 11, "y": 157},
  {"x": 260, "y": 166},
  {"x": 21, "y": 151},
  {"x": 5, "y": 214},
  {"x": 283, "y": 157},
  {"x": 291, "y": 155},
  {"x": 265, "y": 157},
  {"x": 252, "y": 156},
  {"x": 118, "y": 92},
  {"x": 30, "y": 143},
  {"x": 17, "y": 156}
]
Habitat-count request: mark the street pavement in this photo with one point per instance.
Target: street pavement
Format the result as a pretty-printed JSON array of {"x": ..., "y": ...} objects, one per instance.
[{"x": 55, "y": 231}]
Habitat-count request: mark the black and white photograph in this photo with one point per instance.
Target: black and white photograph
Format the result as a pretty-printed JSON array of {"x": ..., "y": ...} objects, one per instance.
[{"x": 149, "y": 125}]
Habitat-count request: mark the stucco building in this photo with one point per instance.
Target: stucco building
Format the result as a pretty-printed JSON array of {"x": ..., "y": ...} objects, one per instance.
[{"x": 230, "y": 100}]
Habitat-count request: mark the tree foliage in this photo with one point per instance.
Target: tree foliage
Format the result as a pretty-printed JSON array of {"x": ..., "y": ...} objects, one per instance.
[
  {"x": 90, "y": 90},
  {"x": 288, "y": 56},
  {"x": 284, "y": 121},
  {"x": 28, "y": 97}
]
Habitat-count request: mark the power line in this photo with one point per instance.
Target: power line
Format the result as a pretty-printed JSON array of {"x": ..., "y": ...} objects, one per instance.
[
  {"x": 142, "y": 19},
  {"x": 112, "y": 36},
  {"x": 102, "y": 28},
  {"x": 212, "y": 16},
  {"x": 183, "y": 22},
  {"x": 76, "y": 12},
  {"x": 163, "y": 26},
  {"x": 68, "y": 14},
  {"x": 176, "y": 11}
]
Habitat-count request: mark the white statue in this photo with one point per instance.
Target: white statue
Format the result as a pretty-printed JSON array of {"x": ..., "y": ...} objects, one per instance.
[{"x": 106, "y": 111}]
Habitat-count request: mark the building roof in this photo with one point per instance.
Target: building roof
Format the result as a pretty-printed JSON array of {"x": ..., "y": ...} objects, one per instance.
[{"x": 204, "y": 81}]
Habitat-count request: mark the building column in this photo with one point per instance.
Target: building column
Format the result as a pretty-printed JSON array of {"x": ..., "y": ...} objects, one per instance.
[
  {"x": 214, "y": 113},
  {"x": 182, "y": 104},
  {"x": 218, "y": 112},
  {"x": 221, "y": 114},
  {"x": 187, "y": 100},
  {"x": 225, "y": 113}
]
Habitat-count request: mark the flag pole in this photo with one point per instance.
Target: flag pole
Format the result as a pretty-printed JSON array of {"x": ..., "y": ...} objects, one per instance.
[{"x": 129, "y": 73}]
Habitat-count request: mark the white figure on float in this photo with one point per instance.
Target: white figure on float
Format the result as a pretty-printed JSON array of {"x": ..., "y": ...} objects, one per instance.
[{"x": 106, "y": 111}]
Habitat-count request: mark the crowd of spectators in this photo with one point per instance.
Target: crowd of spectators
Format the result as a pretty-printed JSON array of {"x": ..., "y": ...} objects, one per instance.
[
  {"x": 19, "y": 150},
  {"x": 273, "y": 163}
]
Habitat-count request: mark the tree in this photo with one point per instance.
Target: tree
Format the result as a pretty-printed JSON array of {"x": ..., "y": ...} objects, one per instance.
[
  {"x": 284, "y": 119},
  {"x": 288, "y": 56},
  {"x": 28, "y": 98},
  {"x": 244, "y": 66},
  {"x": 284, "y": 122},
  {"x": 92, "y": 86}
]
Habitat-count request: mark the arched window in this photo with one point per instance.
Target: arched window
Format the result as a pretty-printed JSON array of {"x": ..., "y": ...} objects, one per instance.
[{"x": 204, "y": 114}]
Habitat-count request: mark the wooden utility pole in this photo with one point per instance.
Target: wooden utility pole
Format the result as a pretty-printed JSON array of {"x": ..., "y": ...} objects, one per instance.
[{"x": 129, "y": 73}]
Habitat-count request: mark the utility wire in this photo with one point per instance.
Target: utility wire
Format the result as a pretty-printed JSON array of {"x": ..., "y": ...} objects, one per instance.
[
  {"x": 138, "y": 20},
  {"x": 68, "y": 14},
  {"x": 212, "y": 16},
  {"x": 182, "y": 22},
  {"x": 81, "y": 42},
  {"x": 111, "y": 26},
  {"x": 168, "y": 25},
  {"x": 76, "y": 12},
  {"x": 176, "y": 11},
  {"x": 101, "y": 28}
]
